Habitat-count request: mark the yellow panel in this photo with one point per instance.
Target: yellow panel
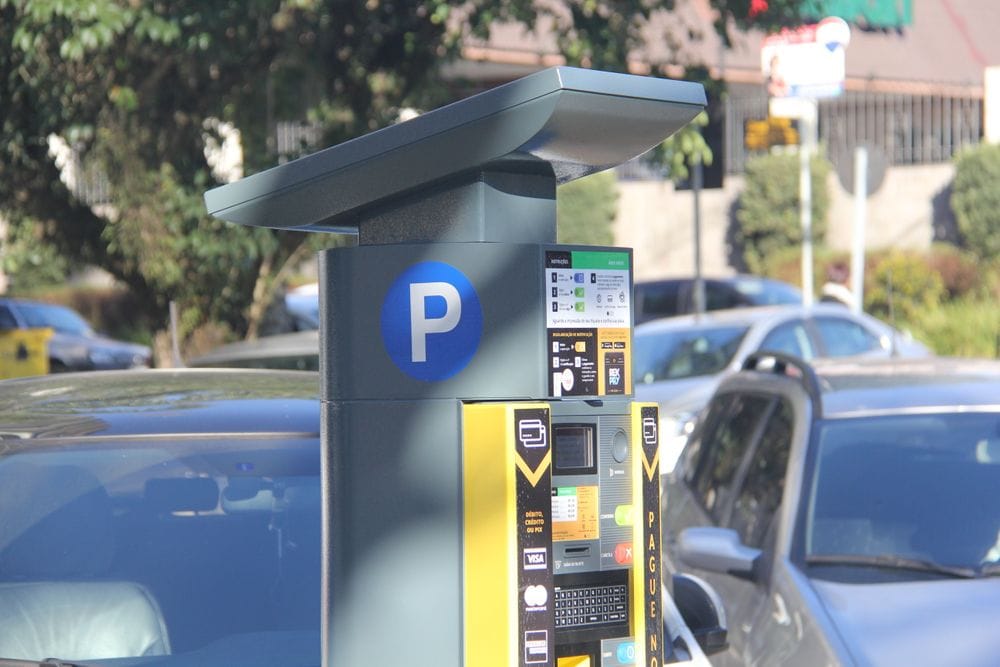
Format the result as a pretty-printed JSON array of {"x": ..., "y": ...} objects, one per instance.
[
  {"x": 490, "y": 558},
  {"x": 574, "y": 661}
]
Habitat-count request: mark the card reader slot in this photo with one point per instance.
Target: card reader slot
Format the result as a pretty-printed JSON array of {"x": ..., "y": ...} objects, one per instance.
[{"x": 580, "y": 551}]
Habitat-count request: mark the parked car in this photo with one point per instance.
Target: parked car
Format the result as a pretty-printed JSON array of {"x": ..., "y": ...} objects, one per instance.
[
  {"x": 157, "y": 513},
  {"x": 679, "y": 361},
  {"x": 74, "y": 345},
  {"x": 675, "y": 296},
  {"x": 291, "y": 351},
  {"x": 847, "y": 514}
]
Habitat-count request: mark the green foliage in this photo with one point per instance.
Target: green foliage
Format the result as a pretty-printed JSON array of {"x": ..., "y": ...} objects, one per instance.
[
  {"x": 968, "y": 327},
  {"x": 975, "y": 199},
  {"x": 901, "y": 287},
  {"x": 586, "y": 210},
  {"x": 684, "y": 149},
  {"x": 961, "y": 274},
  {"x": 28, "y": 260},
  {"x": 768, "y": 213},
  {"x": 136, "y": 87}
]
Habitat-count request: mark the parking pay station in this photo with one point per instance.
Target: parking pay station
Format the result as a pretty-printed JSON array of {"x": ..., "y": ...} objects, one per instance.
[{"x": 492, "y": 493}]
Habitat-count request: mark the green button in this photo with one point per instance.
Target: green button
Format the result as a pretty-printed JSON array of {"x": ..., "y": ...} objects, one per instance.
[
  {"x": 623, "y": 515},
  {"x": 579, "y": 291},
  {"x": 580, "y": 306}
]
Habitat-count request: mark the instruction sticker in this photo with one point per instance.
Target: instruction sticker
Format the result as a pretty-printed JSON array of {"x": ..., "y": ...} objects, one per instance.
[{"x": 588, "y": 322}]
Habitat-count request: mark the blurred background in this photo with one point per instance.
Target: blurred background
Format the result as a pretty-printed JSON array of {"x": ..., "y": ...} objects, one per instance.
[{"x": 118, "y": 115}]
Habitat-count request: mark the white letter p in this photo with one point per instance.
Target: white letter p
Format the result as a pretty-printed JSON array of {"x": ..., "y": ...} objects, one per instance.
[{"x": 420, "y": 325}]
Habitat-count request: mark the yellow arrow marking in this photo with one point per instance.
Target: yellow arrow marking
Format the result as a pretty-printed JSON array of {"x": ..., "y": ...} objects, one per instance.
[
  {"x": 651, "y": 467},
  {"x": 533, "y": 475}
]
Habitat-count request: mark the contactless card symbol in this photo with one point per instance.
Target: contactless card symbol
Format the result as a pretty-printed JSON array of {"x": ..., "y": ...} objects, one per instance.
[
  {"x": 649, "y": 430},
  {"x": 532, "y": 433}
]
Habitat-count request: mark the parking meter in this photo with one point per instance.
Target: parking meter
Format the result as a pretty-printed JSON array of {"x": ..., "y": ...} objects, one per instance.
[{"x": 491, "y": 490}]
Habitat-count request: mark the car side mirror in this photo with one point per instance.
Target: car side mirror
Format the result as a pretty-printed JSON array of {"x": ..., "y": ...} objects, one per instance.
[
  {"x": 718, "y": 550},
  {"x": 702, "y": 611}
]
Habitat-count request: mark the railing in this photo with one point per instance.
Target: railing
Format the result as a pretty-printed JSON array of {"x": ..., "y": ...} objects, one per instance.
[{"x": 907, "y": 129}]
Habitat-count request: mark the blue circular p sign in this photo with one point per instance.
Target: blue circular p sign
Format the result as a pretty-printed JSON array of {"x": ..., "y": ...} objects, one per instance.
[{"x": 431, "y": 321}]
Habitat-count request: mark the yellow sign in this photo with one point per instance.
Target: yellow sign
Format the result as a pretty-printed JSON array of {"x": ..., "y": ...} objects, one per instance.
[
  {"x": 24, "y": 352},
  {"x": 761, "y": 135}
]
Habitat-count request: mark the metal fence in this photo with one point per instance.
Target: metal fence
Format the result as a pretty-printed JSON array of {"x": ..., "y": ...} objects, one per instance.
[{"x": 907, "y": 129}]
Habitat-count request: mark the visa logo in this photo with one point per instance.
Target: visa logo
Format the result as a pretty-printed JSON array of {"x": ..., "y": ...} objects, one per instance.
[{"x": 536, "y": 558}]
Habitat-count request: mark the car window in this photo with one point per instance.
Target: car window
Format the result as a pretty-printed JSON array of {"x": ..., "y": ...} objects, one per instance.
[
  {"x": 764, "y": 483},
  {"x": 211, "y": 540},
  {"x": 730, "y": 428},
  {"x": 683, "y": 353},
  {"x": 7, "y": 320},
  {"x": 656, "y": 299},
  {"x": 919, "y": 486},
  {"x": 59, "y": 318},
  {"x": 842, "y": 337},
  {"x": 720, "y": 295},
  {"x": 790, "y": 338}
]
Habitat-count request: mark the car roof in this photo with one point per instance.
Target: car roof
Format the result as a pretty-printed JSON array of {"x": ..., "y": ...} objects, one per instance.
[
  {"x": 299, "y": 343},
  {"x": 743, "y": 316},
  {"x": 159, "y": 402},
  {"x": 897, "y": 385}
]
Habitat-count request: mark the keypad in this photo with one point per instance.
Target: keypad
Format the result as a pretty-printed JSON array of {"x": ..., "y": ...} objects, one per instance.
[{"x": 591, "y": 605}]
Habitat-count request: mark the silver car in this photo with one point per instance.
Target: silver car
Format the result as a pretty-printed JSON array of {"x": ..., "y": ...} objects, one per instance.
[
  {"x": 679, "y": 361},
  {"x": 847, "y": 516}
]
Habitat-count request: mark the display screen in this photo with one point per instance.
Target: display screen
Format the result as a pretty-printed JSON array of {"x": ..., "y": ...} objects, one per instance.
[{"x": 575, "y": 448}]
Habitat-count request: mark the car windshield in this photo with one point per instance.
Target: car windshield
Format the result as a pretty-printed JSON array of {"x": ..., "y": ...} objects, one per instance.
[
  {"x": 59, "y": 318},
  {"x": 767, "y": 292},
  {"x": 685, "y": 353},
  {"x": 913, "y": 494},
  {"x": 183, "y": 547}
]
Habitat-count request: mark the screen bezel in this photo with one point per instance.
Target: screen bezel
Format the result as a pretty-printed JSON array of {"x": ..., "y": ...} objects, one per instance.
[{"x": 591, "y": 469}]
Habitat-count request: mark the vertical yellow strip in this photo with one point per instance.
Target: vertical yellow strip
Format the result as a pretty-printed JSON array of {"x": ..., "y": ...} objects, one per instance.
[
  {"x": 489, "y": 536},
  {"x": 646, "y": 575},
  {"x": 638, "y": 574}
]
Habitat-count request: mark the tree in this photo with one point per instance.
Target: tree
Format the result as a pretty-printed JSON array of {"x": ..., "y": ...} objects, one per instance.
[
  {"x": 768, "y": 213},
  {"x": 138, "y": 86},
  {"x": 586, "y": 210},
  {"x": 976, "y": 200}
]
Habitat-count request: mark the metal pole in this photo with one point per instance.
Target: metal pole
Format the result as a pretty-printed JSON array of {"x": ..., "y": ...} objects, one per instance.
[
  {"x": 860, "y": 222},
  {"x": 699, "y": 282},
  {"x": 807, "y": 141},
  {"x": 175, "y": 350}
]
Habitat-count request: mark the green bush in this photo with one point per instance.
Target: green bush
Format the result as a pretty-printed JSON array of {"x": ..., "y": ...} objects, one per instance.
[
  {"x": 975, "y": 199},
  {"x": 964, "y": 328},
  {"x": 960, "y": 273},
  {"x": 585, "y": 210},
  {"x": 768, "y": 213},
  {"x": 902, "y": 286}
]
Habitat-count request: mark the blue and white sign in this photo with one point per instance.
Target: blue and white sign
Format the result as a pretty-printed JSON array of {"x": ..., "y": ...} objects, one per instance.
[{"x": 431, "y": 321}]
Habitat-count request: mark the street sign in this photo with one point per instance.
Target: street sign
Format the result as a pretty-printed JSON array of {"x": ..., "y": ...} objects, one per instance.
[{"x": 806, "y": 62}]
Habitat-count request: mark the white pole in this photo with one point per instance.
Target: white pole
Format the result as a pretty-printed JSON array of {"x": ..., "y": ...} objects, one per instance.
[
  {"x": 807, "y": 139},
  {"x": 860, "y": 222}
]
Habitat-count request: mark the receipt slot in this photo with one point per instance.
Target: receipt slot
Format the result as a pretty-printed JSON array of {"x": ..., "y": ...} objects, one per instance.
[{"x": 465, "y": 360}]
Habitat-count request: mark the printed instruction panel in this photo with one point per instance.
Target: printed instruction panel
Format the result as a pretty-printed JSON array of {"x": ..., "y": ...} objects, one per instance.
[{"x": 588, "y": 322}]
